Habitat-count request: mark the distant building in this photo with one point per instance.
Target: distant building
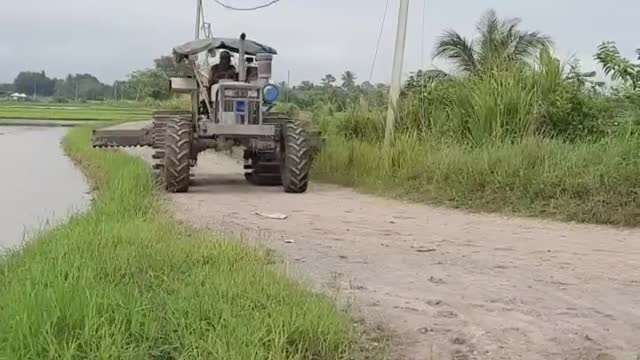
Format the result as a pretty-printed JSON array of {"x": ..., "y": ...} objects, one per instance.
[{"x": 18, "y": 96}]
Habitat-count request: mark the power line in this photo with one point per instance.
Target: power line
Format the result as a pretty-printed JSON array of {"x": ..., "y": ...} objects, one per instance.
[
  {"x": 375, "y": 56},
  {"x": 246, "y": 9}
]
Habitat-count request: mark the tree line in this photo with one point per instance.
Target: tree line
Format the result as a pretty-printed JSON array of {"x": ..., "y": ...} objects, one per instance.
[
  {"x": 333, "y": 95},
  {"x": 151, "y": 83},
  {"x": 140, "y": 84},
  {"x": 78, "y": 86}
]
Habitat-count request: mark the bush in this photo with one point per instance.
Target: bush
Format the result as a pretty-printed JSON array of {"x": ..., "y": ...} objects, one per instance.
[
  {"x": 361, "y": 125},
  {"x": 60, "y": 100},
  {"x": 572, "y": 114},
  {"x": 288, "y": 108},
  {"x": 506, "y": 104}
]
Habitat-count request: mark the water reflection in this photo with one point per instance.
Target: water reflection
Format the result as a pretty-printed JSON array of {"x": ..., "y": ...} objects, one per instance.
[{"x": 38, "y": 184}]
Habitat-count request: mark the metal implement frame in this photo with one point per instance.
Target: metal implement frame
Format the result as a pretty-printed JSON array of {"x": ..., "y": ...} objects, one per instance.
[
  {"x": 122, "y": 137},
  {"x": 242, "y": 130}
]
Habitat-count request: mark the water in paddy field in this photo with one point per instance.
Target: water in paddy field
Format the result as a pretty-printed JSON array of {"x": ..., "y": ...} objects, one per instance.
[{"x": 39, "y": 185}]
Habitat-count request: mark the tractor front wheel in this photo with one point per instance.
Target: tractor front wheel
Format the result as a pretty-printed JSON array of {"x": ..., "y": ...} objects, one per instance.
[
  {"x": 295, "y": 160},
  {"x": 177, "y": 154}
]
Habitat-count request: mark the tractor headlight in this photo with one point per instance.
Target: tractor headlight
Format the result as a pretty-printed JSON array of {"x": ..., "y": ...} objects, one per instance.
[{"x": 270, "y": 93}]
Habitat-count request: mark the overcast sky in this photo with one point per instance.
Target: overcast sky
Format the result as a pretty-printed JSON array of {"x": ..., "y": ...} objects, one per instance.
[{"x": 110, "y": 38}]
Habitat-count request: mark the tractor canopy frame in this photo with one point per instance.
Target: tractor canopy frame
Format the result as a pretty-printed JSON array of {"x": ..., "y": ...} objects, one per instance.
[{"x": 195, "y": 47}]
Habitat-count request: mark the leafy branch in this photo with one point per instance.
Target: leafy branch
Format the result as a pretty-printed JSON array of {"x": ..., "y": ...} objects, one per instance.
[{"x": 616, "y": 66}]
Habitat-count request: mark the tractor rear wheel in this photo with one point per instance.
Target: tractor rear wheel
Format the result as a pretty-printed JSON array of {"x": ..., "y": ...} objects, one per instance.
[
  {"x": 158, "y": 133},
  {"x": 295, "y": 160},
  {"x": 178, "y": 139}
]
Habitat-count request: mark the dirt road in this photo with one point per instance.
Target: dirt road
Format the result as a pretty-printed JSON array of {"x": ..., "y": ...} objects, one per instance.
[{"x": 446, "y": 282}]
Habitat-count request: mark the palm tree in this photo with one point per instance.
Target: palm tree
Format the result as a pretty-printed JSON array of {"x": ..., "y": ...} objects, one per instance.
[
  {"x": 498, "y": 41},
  {"x": 349, "y": 79}
]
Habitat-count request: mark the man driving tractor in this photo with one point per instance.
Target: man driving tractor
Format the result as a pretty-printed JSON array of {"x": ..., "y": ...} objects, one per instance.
[{"x": 222, "y": 70}]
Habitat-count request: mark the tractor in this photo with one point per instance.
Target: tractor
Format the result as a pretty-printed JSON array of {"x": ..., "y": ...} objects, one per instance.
[{"x": 233, "y": 113}]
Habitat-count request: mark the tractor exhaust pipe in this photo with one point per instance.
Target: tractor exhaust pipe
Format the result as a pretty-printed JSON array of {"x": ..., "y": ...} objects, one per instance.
[
  {"x": 264, "y": 61},
  {"x": 242, "y": 64}
]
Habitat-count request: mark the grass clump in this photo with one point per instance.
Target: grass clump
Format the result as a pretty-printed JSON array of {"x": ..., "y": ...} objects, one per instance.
[{"x": 125, "y": 281}]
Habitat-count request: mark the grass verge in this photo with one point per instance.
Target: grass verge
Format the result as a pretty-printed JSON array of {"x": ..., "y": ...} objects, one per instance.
[
  {"x": 594, "y": 182},
  {"x": 125, "y": 281},
  {"x": 104, "y": 110},
  {"x": 72, "y": 112}
]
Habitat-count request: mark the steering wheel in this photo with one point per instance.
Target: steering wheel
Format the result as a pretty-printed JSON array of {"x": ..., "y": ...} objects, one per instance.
[{"x": 225, "y": 76}]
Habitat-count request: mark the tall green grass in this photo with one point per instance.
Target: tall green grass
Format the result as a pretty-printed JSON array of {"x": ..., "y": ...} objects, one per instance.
[
  {"x": 125, "y": 281},
  {"x": 523, "y": 139},
  {"x": 509, "y": 103},
  {"x": 594, "y": 182}
]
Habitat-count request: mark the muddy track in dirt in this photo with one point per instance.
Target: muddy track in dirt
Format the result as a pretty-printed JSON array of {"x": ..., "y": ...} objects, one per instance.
[{"x": 447, "y": 283}]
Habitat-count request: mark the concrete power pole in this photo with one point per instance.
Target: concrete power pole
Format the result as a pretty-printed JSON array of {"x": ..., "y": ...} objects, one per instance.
[
  {"x": 198, "y": 18},
  {"x": 396, "y": 74},
  {"x": 288, "y": 84},
  {"x": 202, "y": 28}
]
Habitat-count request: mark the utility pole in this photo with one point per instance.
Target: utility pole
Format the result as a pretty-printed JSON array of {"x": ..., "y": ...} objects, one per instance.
[
  {"x": 198, "y": 18},
  {"x": 76, "y": 88},
  {"x": 396, "y": 74},
  {"x": 288, "y": 84}
]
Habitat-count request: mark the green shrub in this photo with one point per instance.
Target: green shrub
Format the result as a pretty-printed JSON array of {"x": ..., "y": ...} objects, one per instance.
[
  {"x": 60, "y": 100},
  {"x": 572, "y": 114},
  {"x": 361, "y": 125},
  {"x": 506, "y": 105},
  {"x": 288, "y": 108}
]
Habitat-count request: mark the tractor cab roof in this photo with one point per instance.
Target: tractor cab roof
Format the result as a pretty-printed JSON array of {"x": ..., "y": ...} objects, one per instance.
[{"x": 194, "y": 47}]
